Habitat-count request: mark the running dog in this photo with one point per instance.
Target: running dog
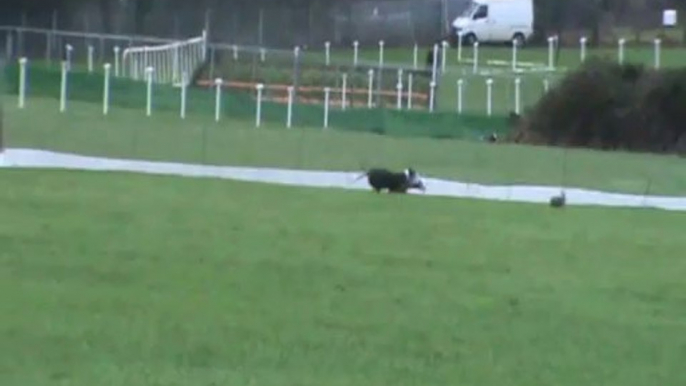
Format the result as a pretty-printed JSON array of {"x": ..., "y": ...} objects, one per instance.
[{"x": 383, "y": 179}]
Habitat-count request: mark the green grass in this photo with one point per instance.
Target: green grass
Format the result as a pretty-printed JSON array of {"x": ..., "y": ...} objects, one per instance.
[
  {"x": 125, "y": 280},
  {"x": 129, "y": 133}
]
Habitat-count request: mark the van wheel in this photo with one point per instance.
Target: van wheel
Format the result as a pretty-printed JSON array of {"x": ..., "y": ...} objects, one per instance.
[
  {"x": 470, "y": 39},
  {"x": 519, "y": 39}
]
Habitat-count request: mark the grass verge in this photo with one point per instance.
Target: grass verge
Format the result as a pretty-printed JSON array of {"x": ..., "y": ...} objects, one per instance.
[{"x": 134, "y": 280}]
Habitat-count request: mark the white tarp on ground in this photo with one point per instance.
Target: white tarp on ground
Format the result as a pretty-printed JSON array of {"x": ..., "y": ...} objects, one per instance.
[{"x": 27, "y": 158}]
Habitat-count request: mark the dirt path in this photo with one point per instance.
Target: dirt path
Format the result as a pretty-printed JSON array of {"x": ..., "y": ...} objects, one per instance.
[{"x": 27, "y": 158}]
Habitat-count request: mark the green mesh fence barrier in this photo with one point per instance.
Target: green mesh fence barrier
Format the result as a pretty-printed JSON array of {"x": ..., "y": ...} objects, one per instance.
[{"x": 43, "y": 81}]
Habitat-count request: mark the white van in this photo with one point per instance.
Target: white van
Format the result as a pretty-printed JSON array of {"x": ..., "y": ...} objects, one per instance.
[{"x": 495, "y": 21}]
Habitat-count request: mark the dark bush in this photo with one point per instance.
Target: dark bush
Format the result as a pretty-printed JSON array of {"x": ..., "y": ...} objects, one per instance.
[{"x": 605, "y": 105}]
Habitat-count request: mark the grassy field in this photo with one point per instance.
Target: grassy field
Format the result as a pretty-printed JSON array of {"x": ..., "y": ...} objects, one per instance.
[
  {"x": 198, "y": 139},
  {"x": 125, "y": 280}
]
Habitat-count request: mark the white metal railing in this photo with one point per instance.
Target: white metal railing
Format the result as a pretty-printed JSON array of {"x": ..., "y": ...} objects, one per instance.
[{"x": 169, "y": 62}]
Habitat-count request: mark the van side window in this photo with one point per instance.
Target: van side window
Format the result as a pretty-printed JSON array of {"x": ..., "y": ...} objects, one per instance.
[{"x": 481, "y": 13}]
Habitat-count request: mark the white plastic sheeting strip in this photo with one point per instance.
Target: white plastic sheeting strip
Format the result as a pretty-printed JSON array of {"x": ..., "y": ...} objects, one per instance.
[{"x": 27, "y": 158}]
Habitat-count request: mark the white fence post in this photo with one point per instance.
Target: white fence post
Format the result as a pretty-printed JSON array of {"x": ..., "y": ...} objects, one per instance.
[
  {"x": 381, "y": 44},
  {"x": 218, "y": 99},
  {"x": 106, "y": 90},
  {"x": 489, "y": 97},
  {"x": 546, "y": 85},
  {"x": 432, "y": 96},
  {"x": 356, "y": 47},
  {"x": 657, "y": 44},
  {"x": 327, "y": 92},
  {"x": 434, "y": 67},
  {"x": 370, "y": 75},
  {"x": 518, "y": 84},
  {"x": 620, "y": 50},
  {"x": 235, "y": 52},
  {"x": 476, "y": 57},
  {"x": 459, "y": 46},
  {"x": 22, "y": 82},
  {"x": 327, "y": 52},
  {"x": 258, "y": 110},
  {"x": 444, "y": 52},
  {"x": 69, "y": 49},
  {"x": 582, "y": 43},
  {"x": 289, "y": 113},
  {"x": 399, "y": 89},
  {"x": 90, "y": 58},
  {"x": 551, "y": 53},
  {"x": 263, "y": 54},
  {"x": 460, "y": 91},
  {"x": 184, "y": 81},
  {"x": 514, "y": 54},
  {"x": 63, "y": 87},
  {"x": 344, "y": 91},
  {"x": 415, "y": 56},
  {"x": 409, "y": 91},
  {"x": 116, "y": 61},
  {"x": 148, "y": 101}
]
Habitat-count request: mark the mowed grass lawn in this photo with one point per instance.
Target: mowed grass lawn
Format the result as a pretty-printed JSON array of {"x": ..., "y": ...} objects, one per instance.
[
  {"x": 128, "y": 133},
  {"x": 129, "y": 280}
]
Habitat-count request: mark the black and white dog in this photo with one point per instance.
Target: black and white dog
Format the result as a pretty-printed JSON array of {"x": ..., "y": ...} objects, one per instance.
[{"x": 383, "y": 179}]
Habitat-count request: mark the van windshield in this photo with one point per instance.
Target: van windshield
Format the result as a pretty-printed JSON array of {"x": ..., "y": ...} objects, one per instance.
[{"x": 473, "y": 6}]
